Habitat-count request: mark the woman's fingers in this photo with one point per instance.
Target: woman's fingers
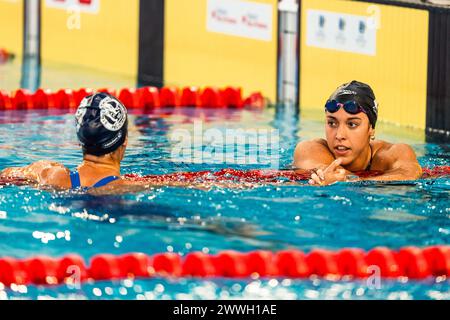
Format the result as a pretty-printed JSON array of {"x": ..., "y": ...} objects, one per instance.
[
  {"x": 321, "y": 174},
  {"x": 336, "y": 163},
  {"x": 330, "y": 175},
  {"x": 341, "y": 175},
  {"x": 316, "y": 179}
]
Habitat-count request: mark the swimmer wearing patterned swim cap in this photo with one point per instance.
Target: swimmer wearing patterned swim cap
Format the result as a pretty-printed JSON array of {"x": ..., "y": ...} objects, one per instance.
[
  {"x": 350, "y": 147},
  {"x": 101, "y": 125}
]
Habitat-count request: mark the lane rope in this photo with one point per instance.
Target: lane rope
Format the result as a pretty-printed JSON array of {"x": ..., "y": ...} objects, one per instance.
[
  {"x": 234, "y": 175},
  {"x": 411, "y": 262},
  {"x": 260, "y": 175},
  {"x": 133, "y": 98}
]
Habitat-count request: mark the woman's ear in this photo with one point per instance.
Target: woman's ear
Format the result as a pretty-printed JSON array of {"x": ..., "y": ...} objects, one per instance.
[{"x": 372, "y": 133}]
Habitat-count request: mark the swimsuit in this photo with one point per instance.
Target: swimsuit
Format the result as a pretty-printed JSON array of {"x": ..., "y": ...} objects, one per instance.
[
  {"x": 370, "y": 161},
  {"x": 76, "y": 184}
]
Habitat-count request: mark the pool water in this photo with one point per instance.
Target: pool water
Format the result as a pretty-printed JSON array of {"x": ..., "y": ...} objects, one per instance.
[{"x": 271, "y": 217}]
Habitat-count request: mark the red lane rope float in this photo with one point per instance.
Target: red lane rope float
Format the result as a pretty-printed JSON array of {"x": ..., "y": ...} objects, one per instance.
[
  {"x": 410, "y": 262},
  {"x": 44, "y": 99},
  {"x": 66, "y": 99},
  {"x": 5, "y": 101},
  {"x": 190, "y": 96},
  {"x": 22, "y": 100},
  {"x": 211, "y": 97},
  {"x": 149, "y": 97},
  {"x": 141, "y": 98}
]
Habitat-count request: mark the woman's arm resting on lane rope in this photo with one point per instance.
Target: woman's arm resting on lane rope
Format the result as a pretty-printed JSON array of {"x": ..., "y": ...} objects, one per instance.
[
  {"x": 312, "y": 154},
  {"x": 40, "y": 172}
]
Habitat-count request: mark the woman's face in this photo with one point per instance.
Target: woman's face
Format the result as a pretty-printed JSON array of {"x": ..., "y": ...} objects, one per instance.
[{"x": 348, "y": 135}]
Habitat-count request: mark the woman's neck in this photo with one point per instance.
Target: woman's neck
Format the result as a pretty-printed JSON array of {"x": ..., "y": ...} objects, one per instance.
[
  {"x": 104, "y": 164},
  {"x": 361, "y": 163}
]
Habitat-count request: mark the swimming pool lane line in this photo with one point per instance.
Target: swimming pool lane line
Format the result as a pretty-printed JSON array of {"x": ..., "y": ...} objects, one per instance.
[
  {"x": 134, "y": 98},
  {"x": 410, "y": 262}
]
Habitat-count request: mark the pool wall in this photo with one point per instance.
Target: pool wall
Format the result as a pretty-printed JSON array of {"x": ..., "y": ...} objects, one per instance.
[
  {"x": 104, "y": 37},
  {"x": 11, "y": 26},
  {"x": 207, "y": 42}
]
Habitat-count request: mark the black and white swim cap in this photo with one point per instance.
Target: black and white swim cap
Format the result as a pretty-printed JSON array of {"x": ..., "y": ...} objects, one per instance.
[{"x": 102, "y": 124}]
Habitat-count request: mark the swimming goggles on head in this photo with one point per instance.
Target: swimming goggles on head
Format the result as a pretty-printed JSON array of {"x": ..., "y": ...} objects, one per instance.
[{"x": 351, "y": 107}]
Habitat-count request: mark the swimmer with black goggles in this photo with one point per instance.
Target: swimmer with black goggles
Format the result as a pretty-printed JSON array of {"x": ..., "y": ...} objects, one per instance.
[{"x": 350, "y": 146}]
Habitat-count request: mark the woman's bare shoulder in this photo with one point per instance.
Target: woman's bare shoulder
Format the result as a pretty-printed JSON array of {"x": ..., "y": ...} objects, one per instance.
[
  {"x": 386, "y": 153},
  {"x": 387, "y": 148},
  {"x": 313, "y": 142},
  {"x": 312, "y": 154},
  {"x": 55, "y": 174}
]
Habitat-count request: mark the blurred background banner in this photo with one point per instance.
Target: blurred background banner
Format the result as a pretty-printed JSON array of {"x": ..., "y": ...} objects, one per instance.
[
  {"x": 240, "y": 18},
  {"x": 11, "y": 26},
  {"x": 220, "y": 43},
  {"x": 296, "y": 51},
  {"x": 102, "y": 35},
  {"x": 88, "y": 6}
]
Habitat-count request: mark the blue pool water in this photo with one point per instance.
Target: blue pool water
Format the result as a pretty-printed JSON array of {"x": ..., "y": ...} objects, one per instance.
[{"x": 271, "y": 217}]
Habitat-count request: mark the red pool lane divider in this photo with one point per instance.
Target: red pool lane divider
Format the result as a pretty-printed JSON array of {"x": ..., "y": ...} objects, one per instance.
[
  {"x": 5, "y": 101},
  {"x": 66, "y": 99},
  {"x": 258, "y": 175},
  {"x": 22, "y": 100},
  {"x": 435, "y": 172},
  {"x": 233, "y": 175},
  {"x": 134, "y": 98},
  {"x": 411, "y": 262}
]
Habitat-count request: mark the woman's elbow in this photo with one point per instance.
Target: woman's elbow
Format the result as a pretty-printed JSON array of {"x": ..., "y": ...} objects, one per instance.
[
  {"x": 6, "y": 172},
  {"x": 418, "y": 171}
]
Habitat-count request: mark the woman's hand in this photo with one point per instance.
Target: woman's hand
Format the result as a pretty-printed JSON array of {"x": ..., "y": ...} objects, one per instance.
[{"x": 329, "y": 175}]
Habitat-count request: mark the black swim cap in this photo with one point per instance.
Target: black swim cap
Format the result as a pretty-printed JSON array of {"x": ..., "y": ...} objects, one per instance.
[
  {"x": 360, "y": 93},
  {"x": 102, "y": 124}
]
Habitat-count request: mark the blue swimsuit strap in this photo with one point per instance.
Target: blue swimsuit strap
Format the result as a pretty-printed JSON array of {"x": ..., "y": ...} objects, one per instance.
[
  {"x": 105, "y": 181},
  {"x": 75, "y": 180}
]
